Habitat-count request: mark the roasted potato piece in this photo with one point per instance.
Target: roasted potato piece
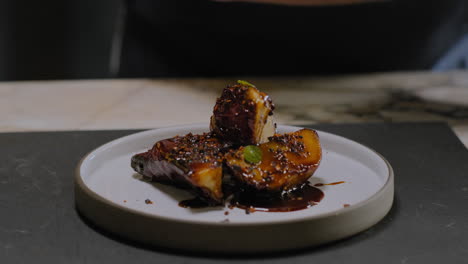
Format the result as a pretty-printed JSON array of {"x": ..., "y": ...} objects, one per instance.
[
  {"x": 282, "y": 164},
  {"x": 192, "y": 162},
  {"x": 243, "y": 115}
]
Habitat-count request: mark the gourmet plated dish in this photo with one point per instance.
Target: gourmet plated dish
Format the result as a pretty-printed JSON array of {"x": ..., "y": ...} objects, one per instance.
[
  {"x": 237, "y": 183},
  {"x": 241, "y": 161}
]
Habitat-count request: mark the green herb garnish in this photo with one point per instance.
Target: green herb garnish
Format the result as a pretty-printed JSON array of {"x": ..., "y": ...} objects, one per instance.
[
  {"x": 245, "y": 83},
  {"x": 252, "y": 154}
]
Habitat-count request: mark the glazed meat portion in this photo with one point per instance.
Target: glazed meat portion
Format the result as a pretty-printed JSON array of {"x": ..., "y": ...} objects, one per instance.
[
  {"x": 191, "y": 162},
  {"x": 243, "y": 115},
  {"x": 284, "y": 163}
]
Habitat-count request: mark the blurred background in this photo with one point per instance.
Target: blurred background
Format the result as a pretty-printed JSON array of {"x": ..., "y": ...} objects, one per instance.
[
  {"x": 83, "y": 39},
  {"x": 56, "y": 39}
]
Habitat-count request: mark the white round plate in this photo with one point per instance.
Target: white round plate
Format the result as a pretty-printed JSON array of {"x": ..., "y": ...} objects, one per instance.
[{"x": 112, "y": 195}]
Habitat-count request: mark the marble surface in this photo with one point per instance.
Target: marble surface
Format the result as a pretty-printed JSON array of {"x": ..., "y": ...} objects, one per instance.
[{"x": 148, "y": 103}]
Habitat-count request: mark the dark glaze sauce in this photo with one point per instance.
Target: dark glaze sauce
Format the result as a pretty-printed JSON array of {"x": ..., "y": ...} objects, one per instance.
[
  {"x": 251, "y": 201},
  {"x": 333, "y": 183},
  {"x": 194, "y": 203},
  {"x": 296, "y": 200}
]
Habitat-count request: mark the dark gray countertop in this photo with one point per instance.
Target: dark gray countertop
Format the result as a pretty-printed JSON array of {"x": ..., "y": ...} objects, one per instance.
[{"x": 427, "y": 224}]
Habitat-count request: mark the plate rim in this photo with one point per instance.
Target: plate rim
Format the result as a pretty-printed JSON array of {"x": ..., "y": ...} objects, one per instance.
[{"x": 79, "y": 182}]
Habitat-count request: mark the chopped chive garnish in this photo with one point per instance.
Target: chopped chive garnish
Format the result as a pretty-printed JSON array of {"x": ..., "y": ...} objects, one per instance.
[{"x": 245, "y": 83}]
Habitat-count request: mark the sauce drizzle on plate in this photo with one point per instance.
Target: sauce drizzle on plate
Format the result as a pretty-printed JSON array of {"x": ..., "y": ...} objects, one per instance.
[
  {"x": 296, "y": 200},
  {"x": 333, "y": 183}
]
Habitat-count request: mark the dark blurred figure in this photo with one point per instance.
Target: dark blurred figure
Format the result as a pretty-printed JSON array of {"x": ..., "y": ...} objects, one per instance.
[{"x": 206, "y": 38}]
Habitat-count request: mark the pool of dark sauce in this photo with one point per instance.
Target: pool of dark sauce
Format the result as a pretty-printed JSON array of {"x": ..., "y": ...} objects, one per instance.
[
  {"x": 193, "y": 203},
  {"x": 251, "y": 201},
  {"x": 302, "y": 198}
]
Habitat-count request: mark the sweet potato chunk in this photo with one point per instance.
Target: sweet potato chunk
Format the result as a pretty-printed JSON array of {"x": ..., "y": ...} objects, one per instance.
[
  {"x": 192, "y": 162},
  {"x": 283, "y": 163}
]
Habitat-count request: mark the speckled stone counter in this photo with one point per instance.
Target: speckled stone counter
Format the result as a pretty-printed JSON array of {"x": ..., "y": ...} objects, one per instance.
[{"x": 148, "y": 103}]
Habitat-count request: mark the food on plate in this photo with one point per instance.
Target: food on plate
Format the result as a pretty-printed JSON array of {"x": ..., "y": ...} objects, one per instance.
[
  {"x": 243, "y": 115},
  {"x": 192, "y": 162},
  {"x": 283, "y": 163},
  {"x": 241, "y": 159}
]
